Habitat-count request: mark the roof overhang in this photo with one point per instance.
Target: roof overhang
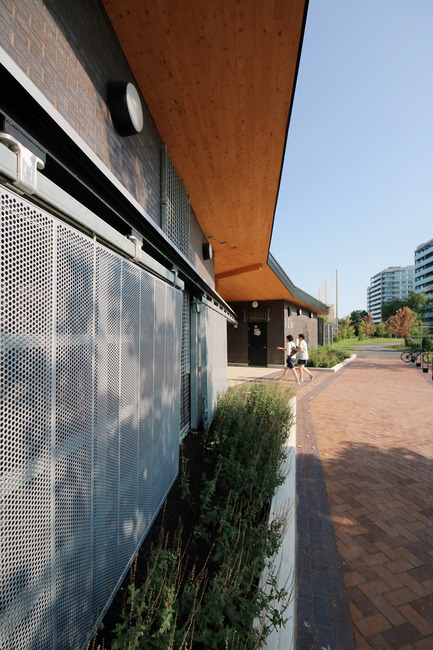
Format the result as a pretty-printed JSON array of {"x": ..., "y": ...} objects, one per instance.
[
  {"x": 218, "y": 78},
  {"x": 265, "y": 282}
]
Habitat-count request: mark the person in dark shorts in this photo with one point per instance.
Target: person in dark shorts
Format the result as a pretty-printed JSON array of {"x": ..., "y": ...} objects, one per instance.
[
  {"x": 303, "y": 358},
  {"x": 290, "y": 361}
]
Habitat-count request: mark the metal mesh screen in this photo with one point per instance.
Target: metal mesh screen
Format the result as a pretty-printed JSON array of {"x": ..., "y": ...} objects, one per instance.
[
  {"x": 185, "y": 368},
  {"x": 256, "y": 316},
  {"x": 176, "y": 206},
  {"x": 216, "y": 361},
  {"x": 90, "y": 389}
]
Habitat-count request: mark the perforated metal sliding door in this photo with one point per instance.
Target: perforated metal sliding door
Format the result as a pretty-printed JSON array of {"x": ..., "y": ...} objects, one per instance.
[
  {"x": 90, "y": 389},
  {"x": 215, "y": 355},
  {"x": 185, "y": 402}
]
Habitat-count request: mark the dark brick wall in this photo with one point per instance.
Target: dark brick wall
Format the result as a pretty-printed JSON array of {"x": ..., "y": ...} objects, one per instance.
[
  {"x": 237, "y": 344},
  {"x": 305, "y": 325},
  {"x": 70, "y": 52},
  {"x": 279, "y": 326}
]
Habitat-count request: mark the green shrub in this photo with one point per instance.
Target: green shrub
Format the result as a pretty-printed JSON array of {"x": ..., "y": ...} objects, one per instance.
[
  {"x": 427, "y": 343},
  {"x": 325, "y": 357},
  {"x": 183, "y": 604}
]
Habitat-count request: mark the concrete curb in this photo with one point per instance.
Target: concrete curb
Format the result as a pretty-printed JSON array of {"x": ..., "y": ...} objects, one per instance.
[{"x": 284, "y": 563}]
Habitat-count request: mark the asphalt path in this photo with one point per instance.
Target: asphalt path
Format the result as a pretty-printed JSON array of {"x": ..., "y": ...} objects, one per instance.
[{"x": 375, "y": 352}]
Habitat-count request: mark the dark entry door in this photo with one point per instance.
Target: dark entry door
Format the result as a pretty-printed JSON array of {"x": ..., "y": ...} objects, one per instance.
[{"x": 257, "y": 344}]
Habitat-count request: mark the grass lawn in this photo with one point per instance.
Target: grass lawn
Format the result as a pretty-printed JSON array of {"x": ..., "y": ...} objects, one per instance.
[{"x": 347, "y": 344}]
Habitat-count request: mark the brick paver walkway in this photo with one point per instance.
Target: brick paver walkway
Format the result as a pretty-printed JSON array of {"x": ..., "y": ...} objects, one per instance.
[{"x": 369, "y": 429}]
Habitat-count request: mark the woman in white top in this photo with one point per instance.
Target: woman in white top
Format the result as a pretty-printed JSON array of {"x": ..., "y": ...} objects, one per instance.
[
  {"x": 290, "y": 361},
  {"x": 303, "y": 358}
]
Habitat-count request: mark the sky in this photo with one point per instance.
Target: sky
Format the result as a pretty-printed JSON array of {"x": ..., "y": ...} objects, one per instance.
[{"x": 356, "y": 192}]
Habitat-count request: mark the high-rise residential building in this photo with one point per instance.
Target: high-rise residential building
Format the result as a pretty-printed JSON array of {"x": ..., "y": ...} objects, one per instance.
[
  {"x": 394, "y": 283},
  {"x": 424, "y": 273}
]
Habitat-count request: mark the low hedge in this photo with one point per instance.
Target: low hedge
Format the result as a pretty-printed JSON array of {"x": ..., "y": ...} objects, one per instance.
[
  {"x": 188, "y": 602},
  {"x": 325, "y": 357}
]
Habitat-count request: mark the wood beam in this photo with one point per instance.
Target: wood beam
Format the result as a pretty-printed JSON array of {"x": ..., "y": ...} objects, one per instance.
[{"x": 244, "y": 269}]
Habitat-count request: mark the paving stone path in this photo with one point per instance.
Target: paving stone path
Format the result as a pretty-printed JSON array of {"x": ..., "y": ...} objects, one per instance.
[{"x": 365, "y": 508}]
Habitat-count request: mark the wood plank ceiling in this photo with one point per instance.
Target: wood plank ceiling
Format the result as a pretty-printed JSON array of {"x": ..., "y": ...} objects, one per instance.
[{"x": 218, "y": 77}]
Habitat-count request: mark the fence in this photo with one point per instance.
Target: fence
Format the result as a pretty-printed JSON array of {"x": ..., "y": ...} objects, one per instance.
[{"x": 90, "y": 368}]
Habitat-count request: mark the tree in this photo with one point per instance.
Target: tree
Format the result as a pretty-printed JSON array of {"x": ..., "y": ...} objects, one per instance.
[
  {"x": 390, "y": 308},
  {"x": 418, "y": 302},
  {"x": 367, "y": 326},
  {"x": 380, "y": 330},
  {"x": 356, "y": 317},
  {"x": 345, "y": 328},
  {"x": 401, "y": 323}
]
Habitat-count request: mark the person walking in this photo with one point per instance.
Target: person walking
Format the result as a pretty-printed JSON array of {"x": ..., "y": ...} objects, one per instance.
[
  {"x": 290, "y": 361},
  {"x": 303, "y": 358}
]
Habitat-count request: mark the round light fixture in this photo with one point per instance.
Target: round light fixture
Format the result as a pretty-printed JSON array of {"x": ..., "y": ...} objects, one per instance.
[
  {"x": 207, "y": 251},
  {"x": 125, "y": 107},
  {"x": 254, "y": 304}
]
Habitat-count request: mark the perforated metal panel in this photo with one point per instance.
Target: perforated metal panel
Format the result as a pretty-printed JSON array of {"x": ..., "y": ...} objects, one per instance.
[
  {"x": 90, "y": 389},
  {"x": 185, "y": 368},
  {"x": 175, "y": 203},
  {"x": 26, "y": 594},
  {"x": 216, "y": 359}
]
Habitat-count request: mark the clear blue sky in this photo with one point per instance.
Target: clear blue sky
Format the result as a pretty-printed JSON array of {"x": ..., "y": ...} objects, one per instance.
[{"x": 356, "y": 192}]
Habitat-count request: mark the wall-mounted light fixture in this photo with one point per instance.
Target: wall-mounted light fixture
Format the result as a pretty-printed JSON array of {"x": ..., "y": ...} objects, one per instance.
[
  {"x": 311, "y": 314},
  {"x": 299, "y": 312},
  {"x": 289, "y": 311},
  {"x": 125, "y": 107},
  {"x": 254, "y": 304},
  {"x": 207, "y": 251}
]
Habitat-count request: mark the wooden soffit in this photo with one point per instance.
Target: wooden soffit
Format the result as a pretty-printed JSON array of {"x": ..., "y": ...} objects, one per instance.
[
  {"x": 218, "y": 77},
  {"x": 262, "y": 283}
]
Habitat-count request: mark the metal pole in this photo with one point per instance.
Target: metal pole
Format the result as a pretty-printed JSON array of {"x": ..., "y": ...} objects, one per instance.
[{"x": 336, "y": 295}]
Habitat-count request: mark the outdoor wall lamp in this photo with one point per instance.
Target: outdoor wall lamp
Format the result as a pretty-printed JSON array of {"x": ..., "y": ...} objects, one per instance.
[
  {"x": 207, "y": 252},
  {"x": 254, "y": 304},
  {"x": 125, "y": 107},
  {"x": 299, "y": 312}
]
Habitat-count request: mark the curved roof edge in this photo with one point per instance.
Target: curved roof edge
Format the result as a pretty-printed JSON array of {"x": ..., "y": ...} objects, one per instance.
[{"x": 298, "y": 294}]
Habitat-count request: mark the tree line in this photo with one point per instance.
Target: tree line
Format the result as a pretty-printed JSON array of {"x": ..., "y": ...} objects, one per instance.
[{"x": 399, "y": 317}]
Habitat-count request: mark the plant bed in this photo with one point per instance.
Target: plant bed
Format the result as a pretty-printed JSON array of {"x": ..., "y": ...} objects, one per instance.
[
  {"x": 326, "y": 357},
  {"x": 195, "y": 582}
]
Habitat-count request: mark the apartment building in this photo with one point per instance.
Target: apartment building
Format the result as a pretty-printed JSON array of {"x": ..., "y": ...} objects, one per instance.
[
  {"x": 393, "y": 283},
  {"x": 423, "y": 276}
]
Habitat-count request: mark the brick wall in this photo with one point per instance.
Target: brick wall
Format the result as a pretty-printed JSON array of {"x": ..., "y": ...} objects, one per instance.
[
  {"x": 279, "y": 326},
  {"x": 70, "y": 52},
  {"x": 303, "y": 324}
]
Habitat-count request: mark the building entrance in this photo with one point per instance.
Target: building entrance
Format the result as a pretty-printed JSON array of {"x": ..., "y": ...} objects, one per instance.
[{"x": 258, "y": 344}]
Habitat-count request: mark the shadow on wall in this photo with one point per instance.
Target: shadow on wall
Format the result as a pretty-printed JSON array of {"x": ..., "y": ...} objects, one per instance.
[{"x": 90, "y": 388}]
